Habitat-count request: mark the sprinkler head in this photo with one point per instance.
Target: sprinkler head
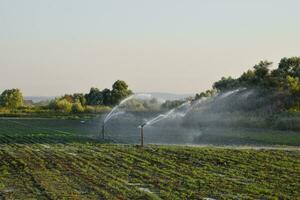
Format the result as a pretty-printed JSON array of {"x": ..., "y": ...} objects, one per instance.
[{"x": 144, "y": 124}]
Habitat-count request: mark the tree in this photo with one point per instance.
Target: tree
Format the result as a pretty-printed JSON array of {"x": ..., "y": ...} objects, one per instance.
[
  {"x": 225, "y": 84},
  {"x": 151, "y": 104},
  {"x": 68, "y": 97},
  {"x": 119, "y": 91},
  {"x": 106, "y": 95},
  {"x": 62, "y": 105},
  {"x": 293, "y": 85},
  {"x": 79, "y": 97},
  {"x": 172, "y": 104},
  {"x": 283, "y": 83},
  {"x": 290, "y": 66},
  {"x": 262, "y": 73},
  {"x": 247, "y": 78},
  {"x": 207, "y": 93},
  {"x": 261, "y": 70},
  {"x": 77, "y": 107},
  {"x": 286, "y": 67},
  {"x": 94, "y": 97},
  {"x": 12, "y": 99}
]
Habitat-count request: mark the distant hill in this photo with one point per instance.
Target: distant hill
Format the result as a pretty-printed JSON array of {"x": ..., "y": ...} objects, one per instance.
[
  {"x": 169, "y": 96},
  {"x": 158, "y": 95},
  {"x": 36, "y": 99}
]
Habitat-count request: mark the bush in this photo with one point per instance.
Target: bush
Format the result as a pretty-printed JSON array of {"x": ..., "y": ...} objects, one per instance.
[
  {"x": 172, "y": 104},
  {"x": 61, "y": 105},
  {"x": 77, "y": 108},
  {"x": 11, "y": 99},
  {"x": 96, "y": 109}
]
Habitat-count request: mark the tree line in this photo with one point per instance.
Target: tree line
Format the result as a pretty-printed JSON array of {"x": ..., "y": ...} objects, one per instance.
[
  {"x": 78, "y": 102},
  {"x": 284, "y": 79}
]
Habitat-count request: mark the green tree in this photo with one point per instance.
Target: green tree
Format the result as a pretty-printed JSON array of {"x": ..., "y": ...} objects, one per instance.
[
  {"x": 12, "y": 98},
  {"x": 286, "y": 67},
  {"x": 247, "y": 78},
  {"x": 77, "y": 107},
  {"x": 261, "y": 70},
  {"x": 293, "y": 85},
  {"x": 62, "y": 105},
  {"x": 68, "y": 97},
  {"x": 94, "y": 97},
  {"x": 207, "y": 93},
  {"x": 225, "y": 84},
  {"x": 119, "y": 91},
  {"x": 79, "y": 97},
  {"x": 106, "y": 95},
  {"x": 290, "y": 66},
  {"x": 172, "y": 104},
  {"x": 262, "y": 73}
]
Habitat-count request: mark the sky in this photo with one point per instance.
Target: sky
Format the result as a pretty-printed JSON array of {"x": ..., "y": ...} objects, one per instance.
[{"x": 53, "y": 47}]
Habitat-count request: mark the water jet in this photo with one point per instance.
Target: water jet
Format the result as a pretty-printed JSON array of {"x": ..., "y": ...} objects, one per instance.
[{"x": 118, "y": 110}]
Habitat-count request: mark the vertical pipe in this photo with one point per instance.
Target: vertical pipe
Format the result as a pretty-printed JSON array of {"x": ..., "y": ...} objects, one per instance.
[
  {"x": 142, "y": 136},
  {"x": 103, "y": 129}
]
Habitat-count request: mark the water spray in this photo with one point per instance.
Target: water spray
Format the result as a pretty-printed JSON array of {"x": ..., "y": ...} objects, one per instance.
[
  {"x": 173, "y": 113},
  {"x": 117, "y": 110}
]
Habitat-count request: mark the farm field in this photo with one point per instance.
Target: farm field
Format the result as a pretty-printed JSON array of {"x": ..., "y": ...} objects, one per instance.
[
  {"x": 149, "y": 100},
  {"x": 100, "y": 171},
  {"x": 51, "y": 160},
  {"x": 126, "y": 131}
]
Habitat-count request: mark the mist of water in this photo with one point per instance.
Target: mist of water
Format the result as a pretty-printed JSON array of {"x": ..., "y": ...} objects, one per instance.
[
  {"x": 200, "y": 121},
  {"x": 180, "y": 111},
  {"x": 117, "y": 111}
]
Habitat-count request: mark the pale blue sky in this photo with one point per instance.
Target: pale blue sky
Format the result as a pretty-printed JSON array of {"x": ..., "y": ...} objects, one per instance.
[{"x": 52, "y": 47}]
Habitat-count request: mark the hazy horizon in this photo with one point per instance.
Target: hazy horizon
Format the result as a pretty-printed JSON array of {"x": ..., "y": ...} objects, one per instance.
[{"x": 49, "y": 48}]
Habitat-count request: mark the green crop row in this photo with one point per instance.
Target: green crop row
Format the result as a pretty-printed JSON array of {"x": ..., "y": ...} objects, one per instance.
[{"x": 99, "y": 171}]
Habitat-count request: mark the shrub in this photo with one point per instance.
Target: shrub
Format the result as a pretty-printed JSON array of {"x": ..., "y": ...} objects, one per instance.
[
  {"x": 11, "y": 99},
  {"x": 96, "y": 109},
  {"x": 77, "y": 108},
  {"x": 61, "y": 105}
]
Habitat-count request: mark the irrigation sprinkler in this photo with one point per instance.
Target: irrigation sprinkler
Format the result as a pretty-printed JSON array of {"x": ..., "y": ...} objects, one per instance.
[
  {"x": 142, "y": 134},
  {"x": 103, "y": 130}
]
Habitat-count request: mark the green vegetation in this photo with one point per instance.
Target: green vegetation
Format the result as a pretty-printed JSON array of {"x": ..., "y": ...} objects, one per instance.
[
  {"x": 207, "y": 93},
  {"x": 98, "y": 171},
  {"x": 80, "y": 103},
  {"x": 51, "y": 159},
  {"x": 108, "y": 97},
  {"x": 243, "y": 136},
  {"x": 283, "y": 82},
  {"x": 74, "y": 106},
  {"x": 64, "y": 159},
  {"x": 281, "y": 86},
  {"x": 11, "y": 99},
  {"x": 172, "y": 104},
  {"x": 140, "y": 105}
]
